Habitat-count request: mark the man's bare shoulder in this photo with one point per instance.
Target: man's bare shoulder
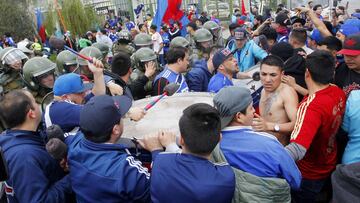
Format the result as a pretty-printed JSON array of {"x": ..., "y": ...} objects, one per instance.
[{"x": 287, "y": 92}]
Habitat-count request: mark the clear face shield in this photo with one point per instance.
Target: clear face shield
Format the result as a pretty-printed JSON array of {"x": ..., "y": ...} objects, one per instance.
[{"x": 14, "y": 59}]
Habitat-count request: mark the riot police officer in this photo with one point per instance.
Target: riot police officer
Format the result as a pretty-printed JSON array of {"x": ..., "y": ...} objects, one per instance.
[
  {"x": 39, "y": 78},
  {"x": 104, "y": 51},
  {"x": 123, "y": 44},
  {"x": 66, "y": 63},
  {"x": 91, "y": 52},
  {"x": 143, "y": 40},
  {"x": 216, "y": 32},
  {"x": 12, "y": 60},
  {"x": 204, "y": 41}
]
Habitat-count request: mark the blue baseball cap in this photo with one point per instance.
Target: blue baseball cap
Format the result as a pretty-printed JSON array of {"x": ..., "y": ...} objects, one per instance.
[
  {"x": 70, "y": 83},
  {"x": 316, "y": 36},
  {"x": 101, "y": 113},
  {"x": 220, "y": 56},
  {"x": 348, "y": 29}
]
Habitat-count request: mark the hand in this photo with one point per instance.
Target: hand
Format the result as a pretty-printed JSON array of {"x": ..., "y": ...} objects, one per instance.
[
  {"x": 166, "y": 138},
  {"x": 303, "y": 54},
  {"x": 289, "y": 80},
  {"x": 115, "y": 89},
  {"x": 96, "y": 66},
  {"x": 150, "y": 68},
  {"x": 302, "y": 9},
  {"x": 267, "y": 21},
  {"x": 151, "y": 142},
  {"x": 136, "y": 113},
  {"x": 259, "y": 124}
]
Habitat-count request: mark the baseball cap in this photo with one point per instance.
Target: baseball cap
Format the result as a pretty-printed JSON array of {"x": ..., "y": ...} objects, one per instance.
[
  {"x": 316, "y": 36},
  {"x": 282, "y": 19},
  {"x": 70, "y": 83},
  {"x": 351, "y": 46},
  {"x": 220, "y": 56},
  {"x": 101, "y": 113},
  {"x": 296, "y": 19},
  {"x": 240, "y": 33},
  {"x": 348, "y": 29},
  {"x": 230, "y": 100}
]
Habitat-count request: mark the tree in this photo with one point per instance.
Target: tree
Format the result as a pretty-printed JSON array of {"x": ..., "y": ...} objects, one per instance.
[
  {"x": 77, "y": 18},
  {"x": 50, "y": 19},
  {"x": 16, "y": 19}
]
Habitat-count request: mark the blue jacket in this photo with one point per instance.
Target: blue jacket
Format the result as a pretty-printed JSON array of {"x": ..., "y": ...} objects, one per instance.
[
  {"x": 34, "y": 175},
  {"x": 218, "y": 81},
  {"x": 186, "y": 178},
  {"x": 173, "y": 77},
  {"x": 105, "y": 172},
  {"x": 199, "y": 76},
  {"x": 260, "y": 154},
  {"x": 247, "y": 55},
  {"x": 351, "y": 126}
]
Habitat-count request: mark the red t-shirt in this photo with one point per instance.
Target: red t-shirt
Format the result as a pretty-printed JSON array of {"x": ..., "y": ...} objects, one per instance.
[{"x": 318, "y": 119}]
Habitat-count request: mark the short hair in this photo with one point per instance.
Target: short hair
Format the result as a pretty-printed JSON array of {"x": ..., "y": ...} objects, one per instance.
[
  {"x": 341, "y": 8},
  {"x": 270, "y": 33},
  {"x": 200, "y": 128},
  {"x": 259, "y": 18},
  {"x": 299, "y": 34},
  {"x": 154, "y": 27},
  {"x": 233, "y": 26},
  {"x": 331, "y": 43},
  {"x": 321, "y": 65},
  {"x": 316, "y": 7},
  {"x": 273, "y": 60},
  {"x": 141, "y": 25},
  {"x": 13, "y": 108},
  {"x": 121, "y": 63},
  {"x": 97, "y": 138},
  {"x": 175, "y": 53}
]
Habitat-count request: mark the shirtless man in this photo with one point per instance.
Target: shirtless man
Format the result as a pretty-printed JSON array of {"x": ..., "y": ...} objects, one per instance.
[{"x": 278, "y": 103}]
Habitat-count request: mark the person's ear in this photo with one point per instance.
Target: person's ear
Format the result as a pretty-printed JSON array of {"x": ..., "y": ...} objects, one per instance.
[
  {"x": 116, "y": 130},
  {"x": 181, "y": 141},
  {"x": 31, "y": 114},
  {"x": 239, "y": 117}
]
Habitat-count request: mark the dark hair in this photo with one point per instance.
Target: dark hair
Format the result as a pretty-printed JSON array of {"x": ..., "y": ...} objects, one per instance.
[
  {"x": 321, "y": 65},
  {"x": 13, "y": 108},
  {"x": 175, "y": 53},
  {"x": 341, "y": 8},
  {"x": 331, "y": 43},
  {"x": 192, "y": 25},
  {"x": 259, "y": 18},
  {"x": 270, "y": 33},
  {"x": 316, "y": 7},
  {"x": 97, "y": 138},
  {"x": 103, "y": 31},
  {"x": 141, "y": 25},
  {"x": 233, "y": 26},
  {"x": 121, "y": 63},
  {"x": 200, "y": 128},
  {"x": 154, "y": 27},
  {"x": 273, "y": 60},
  {"x": 299, "y": 34}
]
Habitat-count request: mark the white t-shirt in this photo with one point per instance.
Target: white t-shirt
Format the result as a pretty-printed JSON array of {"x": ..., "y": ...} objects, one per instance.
[{"x": 157, "y": 40}]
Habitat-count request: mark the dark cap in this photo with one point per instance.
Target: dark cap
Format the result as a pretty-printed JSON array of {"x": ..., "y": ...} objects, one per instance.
[
  {"x": 296, "y": 19},
  {"x": 101, "y": 113},
  {"x": 240, "y": 33},
  {"x": 351, "y": 46},
  {"x": 282, "y": 19},
  {"x": 231, "y": 100},
  {"x": 220, "y": 56}
]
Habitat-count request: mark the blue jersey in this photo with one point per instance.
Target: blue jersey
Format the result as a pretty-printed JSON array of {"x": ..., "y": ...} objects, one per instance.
[
  {"x": 34, "y": 176},
  {"x": 105, "y": 172},
  {"x": 113, "y": 37},
  {"x": 260, "y": 154},
  {"x": 129, "y": 25},
  {"x": 173, "y": 77},
  {"x": 166, "y": 41},
  {"x": 218, "y": 81},
  {"x": 186, "y": 178}
]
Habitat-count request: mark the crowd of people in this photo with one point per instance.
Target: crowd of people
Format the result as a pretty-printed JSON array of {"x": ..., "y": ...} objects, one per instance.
[{"x": 62, "y": 116}]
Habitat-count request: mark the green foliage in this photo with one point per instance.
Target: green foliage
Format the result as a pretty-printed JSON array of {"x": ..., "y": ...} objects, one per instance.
[
  {"x": 78, "y": 19},
  {"x": 16, "y": 19},
  {"x": 50, "y": 19}
]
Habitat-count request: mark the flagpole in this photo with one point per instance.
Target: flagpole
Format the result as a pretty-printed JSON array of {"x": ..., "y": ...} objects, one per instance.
[{"x": 62, "y": 20}]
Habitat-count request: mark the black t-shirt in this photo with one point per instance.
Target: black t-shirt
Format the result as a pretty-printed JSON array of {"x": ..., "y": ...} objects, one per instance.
[{"x": 347, "y": 79}]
